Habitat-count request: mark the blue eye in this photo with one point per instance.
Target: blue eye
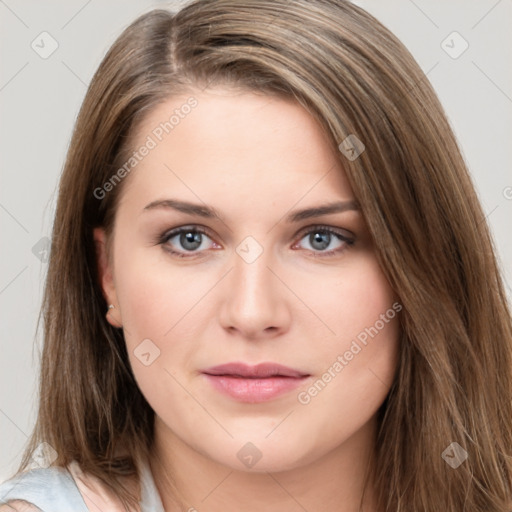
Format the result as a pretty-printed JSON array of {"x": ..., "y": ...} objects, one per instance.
[
  {"x": 189, "y": 238},
  {"x": 321, "y": 237},
  {"x": 193, "y": 240}
]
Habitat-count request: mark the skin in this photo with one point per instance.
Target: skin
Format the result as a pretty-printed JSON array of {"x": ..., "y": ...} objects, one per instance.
[{"x": 254, "y": 158}]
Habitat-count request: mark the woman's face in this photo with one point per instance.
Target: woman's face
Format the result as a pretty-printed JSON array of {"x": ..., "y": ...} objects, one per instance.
[{"x": 256, "y": 276}]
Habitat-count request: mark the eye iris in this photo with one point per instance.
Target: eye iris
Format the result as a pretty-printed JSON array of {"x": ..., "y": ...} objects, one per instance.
[
  {"x": 321, "y": 238},
  {"x": 192, "y": 238}
]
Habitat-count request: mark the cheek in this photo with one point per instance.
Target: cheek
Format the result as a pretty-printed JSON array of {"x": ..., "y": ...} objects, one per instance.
[
  {"x": 150, "y": 309},
  {"x": 356, "y": 364},
  {"x": 154, "y": 296},
  {"x": 354, "y": 301},
  {"x": 163, "y": 310}
]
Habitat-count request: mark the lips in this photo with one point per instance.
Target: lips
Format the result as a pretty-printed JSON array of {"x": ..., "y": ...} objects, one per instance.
[
  {"x": 259, "y": 371},
  {"x": 253, "y": 384}
]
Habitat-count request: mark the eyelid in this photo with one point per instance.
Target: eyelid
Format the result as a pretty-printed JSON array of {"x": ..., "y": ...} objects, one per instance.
[
  {"x": 203, "y": 229},
  {"x": 344, "y": 233},
  {"x": 178, "y": 229}
]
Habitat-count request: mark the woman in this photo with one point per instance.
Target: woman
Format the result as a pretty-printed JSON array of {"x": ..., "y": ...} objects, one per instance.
[{"x": 270, "y": 282}]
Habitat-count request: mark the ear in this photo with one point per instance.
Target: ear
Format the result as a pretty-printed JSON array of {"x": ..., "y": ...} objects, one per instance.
[{"x": 105, "y": 273}]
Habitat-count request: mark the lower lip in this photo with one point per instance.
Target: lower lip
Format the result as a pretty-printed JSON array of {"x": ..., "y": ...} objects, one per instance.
[{"x": 254, "y": 390}]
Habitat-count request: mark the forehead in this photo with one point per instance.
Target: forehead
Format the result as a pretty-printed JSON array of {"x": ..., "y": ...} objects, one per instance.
[{"x": 223, "y": 140}]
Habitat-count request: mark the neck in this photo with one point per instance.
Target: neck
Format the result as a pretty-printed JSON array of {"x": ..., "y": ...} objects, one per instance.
[{"x": 189, "y": 481}]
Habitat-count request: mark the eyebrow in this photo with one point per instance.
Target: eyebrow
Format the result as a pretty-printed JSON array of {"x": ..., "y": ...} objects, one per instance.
[{"x": 209, "y": 212}]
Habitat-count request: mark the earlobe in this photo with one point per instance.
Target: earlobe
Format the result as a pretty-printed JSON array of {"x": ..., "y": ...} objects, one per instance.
[{"x": 105, "y": 276}]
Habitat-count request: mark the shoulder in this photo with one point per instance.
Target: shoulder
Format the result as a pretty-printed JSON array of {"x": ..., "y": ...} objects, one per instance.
[
  {"x": 67, "y": 488},
  {"x": 42, "y": 488},
  {"x": 56, "y": 488}
]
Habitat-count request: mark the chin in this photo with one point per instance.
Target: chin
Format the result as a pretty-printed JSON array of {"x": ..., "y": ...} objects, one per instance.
[{"x": 264, "y": 456}]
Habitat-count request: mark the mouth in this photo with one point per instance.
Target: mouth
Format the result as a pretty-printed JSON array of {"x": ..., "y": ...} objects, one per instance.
[{"x": 254, "y": 384}]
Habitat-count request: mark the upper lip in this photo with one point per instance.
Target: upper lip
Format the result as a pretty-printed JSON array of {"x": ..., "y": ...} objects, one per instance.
[{"x": 261, "y": 370}]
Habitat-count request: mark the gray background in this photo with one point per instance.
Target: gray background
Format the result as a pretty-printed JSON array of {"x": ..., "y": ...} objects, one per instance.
[{"x": 40, "y": 98}]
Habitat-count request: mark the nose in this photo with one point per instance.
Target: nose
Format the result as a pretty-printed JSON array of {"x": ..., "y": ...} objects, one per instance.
[{"x": 255, "y": 301}]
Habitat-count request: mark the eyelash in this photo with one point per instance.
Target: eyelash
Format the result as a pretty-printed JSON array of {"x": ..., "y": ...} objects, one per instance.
[{"x": 166, "y": 236}]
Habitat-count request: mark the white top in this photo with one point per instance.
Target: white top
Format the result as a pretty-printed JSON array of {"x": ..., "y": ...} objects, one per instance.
[{"x": 55, "y": 489}]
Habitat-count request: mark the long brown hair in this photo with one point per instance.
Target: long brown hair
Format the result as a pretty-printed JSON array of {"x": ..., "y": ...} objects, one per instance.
[{"x": 454, "y": 376}]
